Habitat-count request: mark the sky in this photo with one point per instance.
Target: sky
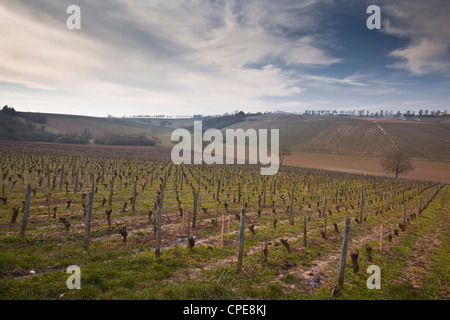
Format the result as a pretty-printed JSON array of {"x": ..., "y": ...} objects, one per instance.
[{"x": 187, "y": 57}]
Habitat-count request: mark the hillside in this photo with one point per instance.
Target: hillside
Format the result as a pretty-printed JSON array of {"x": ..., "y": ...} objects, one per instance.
[
  {"x": 352, "y": 135},
  {"x": 72, "y": 124},
  {"x": 428, "y": 139}
]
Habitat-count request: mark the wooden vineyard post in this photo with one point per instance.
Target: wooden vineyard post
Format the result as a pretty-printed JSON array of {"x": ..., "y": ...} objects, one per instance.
[
  {"x": 196, "y": 196},
  {"x": 188, "y": 228},
  {"x": 111, "y": 191},
  {"x": 325, "y": 213},
  {"x": 26, "y": 211},
  {"x": 62, "y": 177},
  {"x": 264, "y": 199},
  {"x": 48, "y": 174},
  {"x": 404, "y": 214},
  {"x": 93, "y": 183},
  {"x": 133, "y": 208},
  {"x": 241, "y": 241},
  {"x": 218, "y": 189},
  {"x": 228, "y": 229},
  {"x": 158, "y": 222},
  {"x": 291, "y": 218},
  {"x": 343, "y": 256},
  {"x": 221, "y": 233},
  {"x": 77, "y": 177},
  {"x": 217, "y": 211},
  {"x": 304, "y": 231},
  {"x": 419, "y": 211},
  {"x": 87, "y": 224},
  {"x": 48, "y": 204},
  {"x": 183, "y": 219},
  {"x": 381, "y": 238},
  {"x": 194, "y": 217},
  {"x": 239, "y": 193},
  {"x": 361, "y": 207}
]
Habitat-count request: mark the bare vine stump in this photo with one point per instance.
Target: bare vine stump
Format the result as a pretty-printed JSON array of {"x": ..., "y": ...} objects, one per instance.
[
  {"x": 369, "y": 253},
  {"x": 354, "y": 255},
  {"x": 108, "y": 216},
  {"x": 265, "y": 251},
  {"x": 286, "y": 245},
  {"x": 123, "y": 232},
  {"x": 191, "y": 242},
  {"x": 14, "y": 215},
  {"x": 66, "y": 223}
]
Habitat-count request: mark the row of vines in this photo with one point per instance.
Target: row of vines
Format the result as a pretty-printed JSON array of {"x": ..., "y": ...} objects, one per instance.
[{"x": 137, "y": 197}]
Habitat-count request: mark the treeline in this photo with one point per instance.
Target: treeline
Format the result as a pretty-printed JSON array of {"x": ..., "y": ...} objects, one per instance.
[
  {"x": 31, "y": 116},
  {"x": 127, "y": 140},
  {"x": 220, "y": 122},
  {"x": 12, "y": 128}
]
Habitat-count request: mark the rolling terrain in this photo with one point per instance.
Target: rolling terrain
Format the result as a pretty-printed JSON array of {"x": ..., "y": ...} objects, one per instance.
[
  {"x": 360, "y": 136},
  {"x": 99, "y": 126},
  {"x": 425, "y": 140},
  {"x": 343, "y": 143}
]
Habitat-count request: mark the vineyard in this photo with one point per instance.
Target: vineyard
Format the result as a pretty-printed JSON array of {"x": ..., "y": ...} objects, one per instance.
[{"x": 140, "y": 227}]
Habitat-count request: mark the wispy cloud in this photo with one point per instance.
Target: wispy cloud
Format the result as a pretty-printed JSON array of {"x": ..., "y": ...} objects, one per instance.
[
  {"x": 197, "y": 49},
  {"x": 197, "y": 56},
  {"x": 426, "y": 25}
]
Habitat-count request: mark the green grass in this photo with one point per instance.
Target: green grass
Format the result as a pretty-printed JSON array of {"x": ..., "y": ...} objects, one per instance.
[{"x": 111, "y": 269}]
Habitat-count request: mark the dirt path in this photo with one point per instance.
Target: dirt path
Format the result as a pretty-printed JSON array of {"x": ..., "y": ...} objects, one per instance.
[
  {"x": 386, "y": 134},
  {"x": 420, "y": 259},
  {"x": 323, "y": 266}
]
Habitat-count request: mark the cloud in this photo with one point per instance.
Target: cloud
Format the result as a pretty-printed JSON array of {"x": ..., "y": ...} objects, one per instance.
[
  {"x": 198, "y": 56},
  {"x": 350, "y": 80},
  {"x": 173, "y": 53},
  {"x": 426, "y": 26},
  {"x": 424, "y": 57}
]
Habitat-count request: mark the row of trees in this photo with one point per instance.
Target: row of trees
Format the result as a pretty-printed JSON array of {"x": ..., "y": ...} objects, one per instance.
[
  {"x": 381, "y": 113},
  {"x": 127, "y": 140}
]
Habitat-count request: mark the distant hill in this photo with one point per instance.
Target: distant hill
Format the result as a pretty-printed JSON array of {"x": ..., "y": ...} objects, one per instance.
[
  {"x": 98, "y": 127},
  {"x": 426, "y": 139},
  {"x": 353, "y": 135},
  {"x": 42, "y": 127}
]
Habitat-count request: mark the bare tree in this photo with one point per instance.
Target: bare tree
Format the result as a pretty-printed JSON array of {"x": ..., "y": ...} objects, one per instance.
[
  {"x": 284, "y": 151},
  {"x": 396, "y": 162}
]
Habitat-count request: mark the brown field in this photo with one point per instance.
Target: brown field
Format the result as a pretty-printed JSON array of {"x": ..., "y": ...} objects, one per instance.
[{"x": 424, "y": 170}]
